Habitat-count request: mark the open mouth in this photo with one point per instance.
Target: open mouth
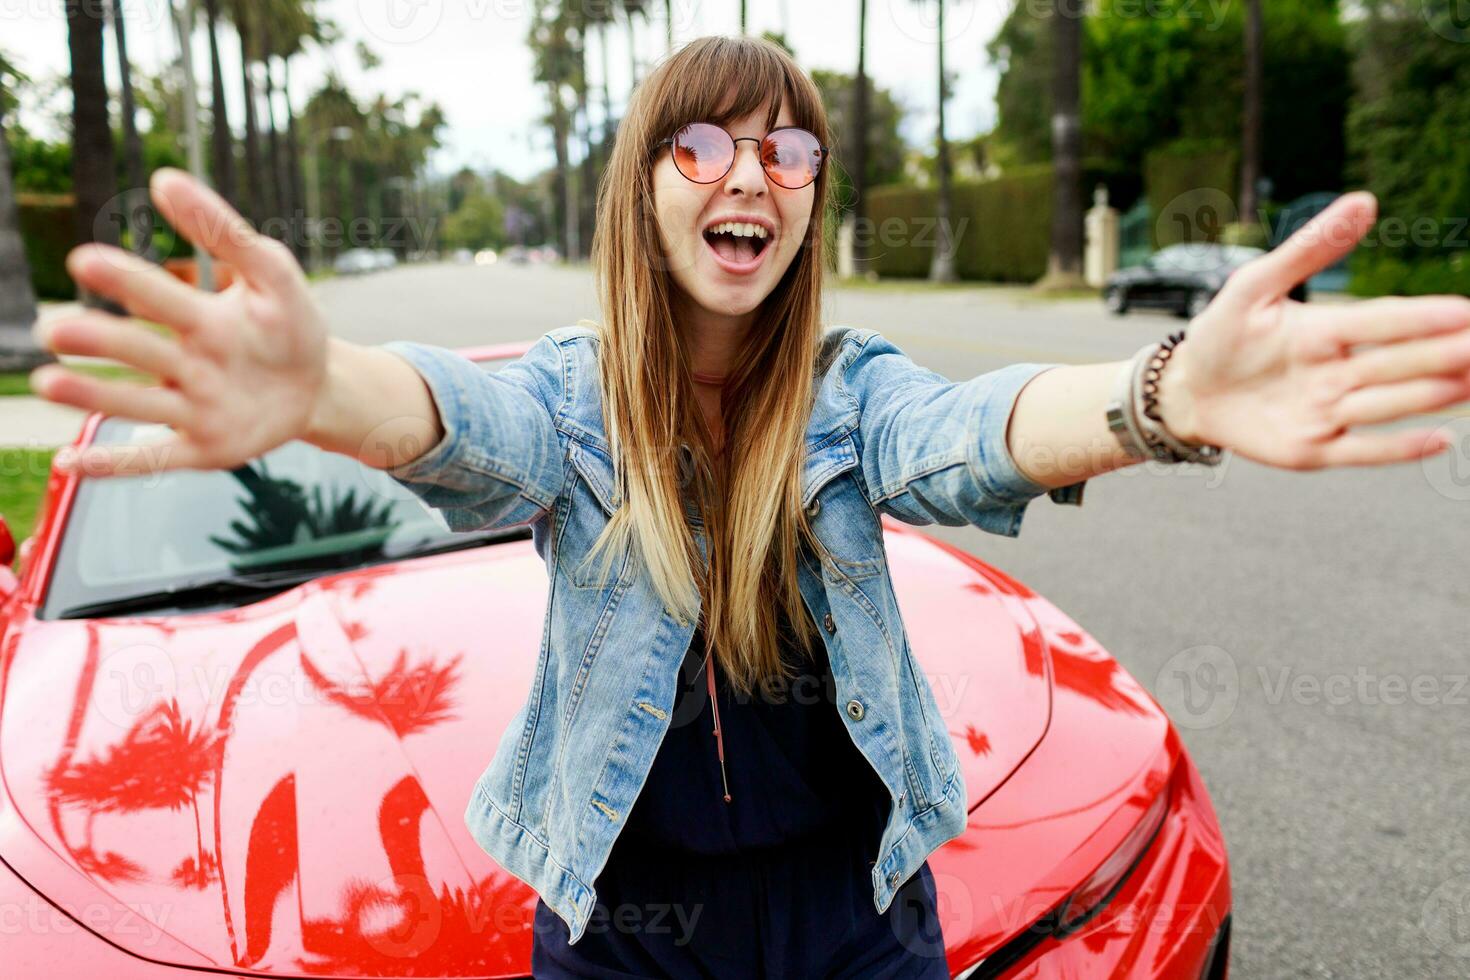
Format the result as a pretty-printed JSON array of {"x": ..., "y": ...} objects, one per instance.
[{"x": 738, "y": 245}]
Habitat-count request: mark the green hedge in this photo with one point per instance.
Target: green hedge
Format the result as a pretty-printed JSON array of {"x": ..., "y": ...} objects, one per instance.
[
  {"x": 47, "y": 227},
  {"x": 1192, "y": 186},
  {"x": 1001, "y": 227},
  {"x": 1382, "y": 274}
]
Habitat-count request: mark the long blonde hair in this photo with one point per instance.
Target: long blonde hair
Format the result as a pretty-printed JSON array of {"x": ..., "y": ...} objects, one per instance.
[{"x": 749, "y": 495}]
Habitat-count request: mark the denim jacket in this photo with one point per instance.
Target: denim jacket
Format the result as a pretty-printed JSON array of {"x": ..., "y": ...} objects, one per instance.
[{"x": 526, "y": 444}]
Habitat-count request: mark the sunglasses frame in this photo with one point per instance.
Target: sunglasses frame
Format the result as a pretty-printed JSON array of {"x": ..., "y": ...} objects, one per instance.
[{"x": 735, "y": 143}]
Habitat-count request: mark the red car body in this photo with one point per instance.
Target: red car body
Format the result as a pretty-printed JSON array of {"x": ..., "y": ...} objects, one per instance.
[{"x": 277, "y": 789}]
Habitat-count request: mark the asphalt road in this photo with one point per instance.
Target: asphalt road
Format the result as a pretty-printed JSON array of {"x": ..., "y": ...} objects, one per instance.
[{"x": 1306, "y": 631}]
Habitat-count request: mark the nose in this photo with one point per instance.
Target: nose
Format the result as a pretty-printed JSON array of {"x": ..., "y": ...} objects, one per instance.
[{"x": 746, "y": 174}]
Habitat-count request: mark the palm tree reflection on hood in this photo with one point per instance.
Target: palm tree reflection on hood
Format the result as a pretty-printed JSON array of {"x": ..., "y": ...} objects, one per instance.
[
  {"x": 280, "y": 514},
  {"x": 163, "y": 761}
]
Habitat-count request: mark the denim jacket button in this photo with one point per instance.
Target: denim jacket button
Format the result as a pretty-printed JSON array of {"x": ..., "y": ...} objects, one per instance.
[
  {"x": 893, "y": 879},
  {"x": 855, "y": 709},
  {"x": 815, "y": 507},
  {"x": 827, "y": 622}
]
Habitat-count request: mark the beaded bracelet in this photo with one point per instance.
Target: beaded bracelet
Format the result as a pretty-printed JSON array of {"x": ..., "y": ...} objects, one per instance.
[{"x": 1165, "y": 445}]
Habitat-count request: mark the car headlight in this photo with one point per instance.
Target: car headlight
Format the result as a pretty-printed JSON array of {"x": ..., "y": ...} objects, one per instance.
[
  {"x": 1093, "y": 894},
  {"x": 1085, "y": 901}
]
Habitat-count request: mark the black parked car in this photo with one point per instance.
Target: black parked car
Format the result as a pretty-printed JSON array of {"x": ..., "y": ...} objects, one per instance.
[{"x": 1181, "y": 278}]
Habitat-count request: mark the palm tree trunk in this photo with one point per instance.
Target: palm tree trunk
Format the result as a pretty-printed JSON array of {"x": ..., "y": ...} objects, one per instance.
[
  {"x": 566, "y": 212},
  {"x": 1064, "y": 267},
  {"x": 1250, "y": 142},
  {"x": 279, "y": 181},
  {"x": 607, "y": 113},
  {"x": 941, "y": 267},
  {"x": 139, "y": 213},
  {"x": 252, "y": 186},
  {"x": 295, "y": 174},
  {"x": 93, "y": 157},
  {"x": 18, "y": 349},
  {"x": 859, "y": 132},
  {"x": 669, "y": 25},
  {"x": 222, "y": 141}
]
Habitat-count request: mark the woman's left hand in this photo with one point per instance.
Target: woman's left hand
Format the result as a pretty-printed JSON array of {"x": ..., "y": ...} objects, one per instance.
[{"x": 1286, "y": 383}]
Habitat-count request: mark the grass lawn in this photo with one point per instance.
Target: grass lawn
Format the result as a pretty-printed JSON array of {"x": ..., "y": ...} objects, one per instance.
[
  {"x": 23, "y": 474},
  {"x": 18, "y": 382},
  {"x": 1021, "y": 290}
]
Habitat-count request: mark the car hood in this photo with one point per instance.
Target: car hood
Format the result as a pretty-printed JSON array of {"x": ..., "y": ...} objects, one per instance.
[{"x": 280, "y": 788}]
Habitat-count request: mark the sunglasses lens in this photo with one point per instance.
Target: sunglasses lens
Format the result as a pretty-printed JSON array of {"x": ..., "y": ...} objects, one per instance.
[
  {"x": 702, "y": 152},
  {"x": 792, "y": 157}
]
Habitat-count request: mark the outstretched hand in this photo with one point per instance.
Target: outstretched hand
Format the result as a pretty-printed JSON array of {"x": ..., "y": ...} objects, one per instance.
[
  {"x": 1288, "y": 383},
  {"x": 243, "y": 369}
]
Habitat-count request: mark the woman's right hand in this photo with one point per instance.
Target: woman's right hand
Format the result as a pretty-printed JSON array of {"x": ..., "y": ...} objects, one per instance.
[{"x": 243, "y": 370}]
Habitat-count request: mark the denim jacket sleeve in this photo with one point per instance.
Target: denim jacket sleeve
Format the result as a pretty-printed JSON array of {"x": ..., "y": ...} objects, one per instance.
[
  {"x": 934, "y": 450},
  {"x": 500, "y": 462}
]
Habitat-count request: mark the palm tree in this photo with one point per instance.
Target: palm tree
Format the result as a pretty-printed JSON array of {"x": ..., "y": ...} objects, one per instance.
[
  {"x": 93, "y": 160},
  {"x": 18, "y": 350},
  {"x": 554, "y": 67},
  {"x": 632, "y": 10},
  {"x": 139, "y": 213},
  {"x": 222, "y": 141},
  {"x": 859, "y": 138},
  {"x": 1064, "y": 266},
  {"x": 941, "y": 267},
  {"x": 1250, "y": 143},
  {"x": 297, "y": 27},
  {"x": 252, "y": 189}
]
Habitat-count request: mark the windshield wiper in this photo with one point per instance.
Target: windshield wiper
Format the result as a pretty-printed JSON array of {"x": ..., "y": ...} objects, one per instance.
[{"x": 252, "y": 585}]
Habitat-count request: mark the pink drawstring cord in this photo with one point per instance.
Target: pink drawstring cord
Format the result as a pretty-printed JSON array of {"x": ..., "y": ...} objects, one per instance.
[{"x": 709, "y": 670}]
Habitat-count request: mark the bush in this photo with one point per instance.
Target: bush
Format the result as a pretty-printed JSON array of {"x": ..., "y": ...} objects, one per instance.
[
  {"x": 47, "y": 226},
  {"x": 1381, "y": 274},
  {"x": 1191, "y": 190},
  {"x": 1001, "y": 227}
]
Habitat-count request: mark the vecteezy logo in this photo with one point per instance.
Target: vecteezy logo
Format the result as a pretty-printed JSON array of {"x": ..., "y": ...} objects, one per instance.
[
  {"x": 1446, "y": 916},
  {"x": 1450, "y": 20},
  {"x": 1199, "y": 686},
  {"x": 1448, "y": 472},
  {"x": 400, "y": 21}
]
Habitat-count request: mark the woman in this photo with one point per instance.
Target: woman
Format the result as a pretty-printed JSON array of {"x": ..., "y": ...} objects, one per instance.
[{"x": 756, "y": 816}]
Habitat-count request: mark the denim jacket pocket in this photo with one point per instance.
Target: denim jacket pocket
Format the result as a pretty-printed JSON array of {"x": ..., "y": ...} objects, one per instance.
[
  {"x": 594, "y": 498},
  {"x": 838, "y": 510}
]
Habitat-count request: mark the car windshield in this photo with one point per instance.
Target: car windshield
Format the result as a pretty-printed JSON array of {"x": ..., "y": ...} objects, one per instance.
[
  {"x": 1202, "y": 256},
  {"x": 289, "y": 515}
]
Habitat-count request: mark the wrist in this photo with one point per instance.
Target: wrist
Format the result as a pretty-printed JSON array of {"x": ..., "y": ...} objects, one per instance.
[
  {"x": 327, "y": 426},
  {"x": 1177, "y": 406}
]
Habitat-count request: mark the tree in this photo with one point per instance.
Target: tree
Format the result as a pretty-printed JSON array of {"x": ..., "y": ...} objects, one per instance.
[
  {"x": 1064, "y": 265},
  {"x": 1250, "y": 125},
  {"x": 252, "y": 186},
  {"x": 18, "y": 349},
  {"x": 94, "y": 170},
  {"x": 479, "y": 223},
  {"x": 941, "y": 267},
  {"x": 859, "y": 140},
  {"x": 555, "y": 67},
  {"x": 138, "y": 212},
  {"x": 222, "y": 139}
]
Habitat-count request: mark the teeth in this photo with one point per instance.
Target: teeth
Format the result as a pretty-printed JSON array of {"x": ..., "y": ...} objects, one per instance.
[{"x": 740, "y": 229}]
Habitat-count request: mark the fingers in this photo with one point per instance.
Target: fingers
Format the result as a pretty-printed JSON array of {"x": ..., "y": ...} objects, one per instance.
[
  {"x": 1386, "y": 402},
  {"x": 98, "y": 334},
  {"x": 1389, "y": 319},
  {"x": 1402, "y": 361},
  {"x": 1331, "y": 234},
  {"x": 1378, "y": 448},
  {"x": 172, "y": 453},
  {"x": 144, "y": 288},
  {"x": 204, "y": 218},
  {"x": 147, "y": 404}
]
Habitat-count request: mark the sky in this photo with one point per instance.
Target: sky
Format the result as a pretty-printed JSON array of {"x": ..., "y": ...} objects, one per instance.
[{"x": 471, "y": 57}]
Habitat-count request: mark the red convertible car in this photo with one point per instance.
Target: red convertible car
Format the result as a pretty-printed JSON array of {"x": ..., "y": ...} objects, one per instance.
[{"x": 241, "y": 714}]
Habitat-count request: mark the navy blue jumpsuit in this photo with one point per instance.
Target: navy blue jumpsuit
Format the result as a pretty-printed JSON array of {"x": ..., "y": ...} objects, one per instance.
[{"x": 776, "y": 881}]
